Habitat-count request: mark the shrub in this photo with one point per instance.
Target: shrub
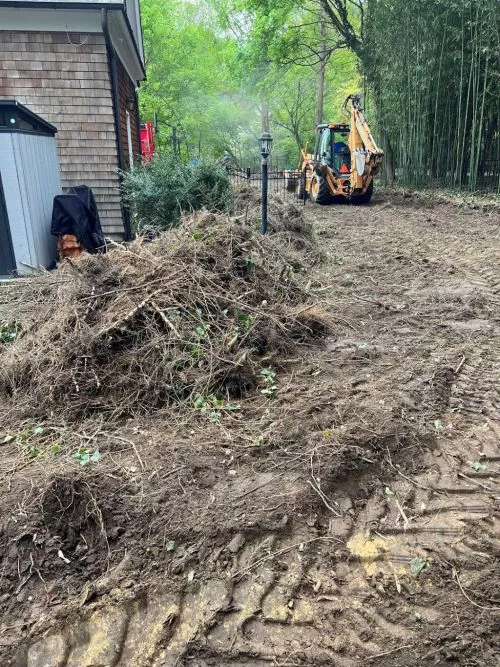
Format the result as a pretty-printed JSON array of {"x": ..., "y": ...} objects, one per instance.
[{"x": 160, "y": 191}]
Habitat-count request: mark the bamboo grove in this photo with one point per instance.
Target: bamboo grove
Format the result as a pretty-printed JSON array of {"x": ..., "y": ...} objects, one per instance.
[{"x": 434, "y": 72}]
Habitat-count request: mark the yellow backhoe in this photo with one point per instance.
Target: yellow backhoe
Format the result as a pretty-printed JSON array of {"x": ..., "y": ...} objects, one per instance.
[{"x": 344, "y": 163}]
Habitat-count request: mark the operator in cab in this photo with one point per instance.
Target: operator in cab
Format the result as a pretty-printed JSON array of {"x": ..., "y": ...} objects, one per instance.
[{"x": 341, "y": 155}]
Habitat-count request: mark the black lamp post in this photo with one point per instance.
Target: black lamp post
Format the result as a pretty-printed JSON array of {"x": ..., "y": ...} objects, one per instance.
[{"x": 265, "y": 142}]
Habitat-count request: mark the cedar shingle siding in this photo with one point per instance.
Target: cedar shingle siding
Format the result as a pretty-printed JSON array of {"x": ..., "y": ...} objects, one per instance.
[{"x": 68, "y": 85}]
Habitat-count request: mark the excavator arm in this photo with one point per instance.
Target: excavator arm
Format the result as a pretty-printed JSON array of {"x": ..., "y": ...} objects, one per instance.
[{"x": 366, "y": 156}]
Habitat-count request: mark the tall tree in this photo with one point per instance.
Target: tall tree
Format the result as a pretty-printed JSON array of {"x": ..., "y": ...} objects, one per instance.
[{"x": 323, "y": 60}]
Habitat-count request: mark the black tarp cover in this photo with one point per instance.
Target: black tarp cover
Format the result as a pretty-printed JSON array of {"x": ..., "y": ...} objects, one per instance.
[{"x": 76, "y": 213}]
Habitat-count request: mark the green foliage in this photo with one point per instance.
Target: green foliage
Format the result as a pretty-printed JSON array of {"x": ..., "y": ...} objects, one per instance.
[
  {"x": 26, "y": 434},
  {"x": 418, "y": 565},
  {"x": 245, "y": 321},
  {"x": 214, "y": 66},
  {"x": 217, "y": 67},
  {"x": 9, "y": 331},
  {"x": 271, "y": 388},
  {"x": 193, "y": 81},
  {"x": 269, "y": 374},
  {"x": 34, "y": 440},
  {"x": 214, "y": 406},
  {"x": 293, "y": 100},
  {"x": 85, "y": 456},
  {"x": 161, "y": 190}
]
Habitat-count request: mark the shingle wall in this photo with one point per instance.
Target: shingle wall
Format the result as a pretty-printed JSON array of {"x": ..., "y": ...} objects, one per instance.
[{"x": 65, "y": 79}]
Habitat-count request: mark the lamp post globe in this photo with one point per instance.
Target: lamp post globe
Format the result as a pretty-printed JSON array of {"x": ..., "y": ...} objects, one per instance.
[{"x": 265, "y": 142}]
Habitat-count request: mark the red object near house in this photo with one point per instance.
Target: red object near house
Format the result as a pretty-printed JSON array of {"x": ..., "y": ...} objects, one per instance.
[{"x": 147, "y": 141}]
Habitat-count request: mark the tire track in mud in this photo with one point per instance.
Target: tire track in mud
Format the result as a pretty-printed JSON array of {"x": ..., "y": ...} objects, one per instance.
[
  {"x": 322, "y": 600},
  {"x": 314, "y": 599},
  {"x": 482, "y": 265},
  {"x": 477, "y": 388}
]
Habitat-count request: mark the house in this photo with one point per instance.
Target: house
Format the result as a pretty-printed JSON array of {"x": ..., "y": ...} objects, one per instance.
[{"x": 78, "y": 64}]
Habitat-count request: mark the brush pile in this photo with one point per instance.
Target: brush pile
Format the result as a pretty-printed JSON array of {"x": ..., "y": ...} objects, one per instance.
[
  {"x": 197, "y": 313},
  {"x": 286, "y": 223}
]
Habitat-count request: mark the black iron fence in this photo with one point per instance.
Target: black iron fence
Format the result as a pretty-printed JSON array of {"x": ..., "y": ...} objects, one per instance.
[
  {"x": 287, "y": 183},
  {"x": 488, "y": 176}
]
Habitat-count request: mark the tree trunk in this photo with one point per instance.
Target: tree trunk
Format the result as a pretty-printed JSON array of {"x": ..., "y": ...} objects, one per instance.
[
  {"x": 265, "y": 116},
  {"x": 298, "y": 139},
  {"x": 389, "y": 161},
  {"x": 320, "y": 89}
]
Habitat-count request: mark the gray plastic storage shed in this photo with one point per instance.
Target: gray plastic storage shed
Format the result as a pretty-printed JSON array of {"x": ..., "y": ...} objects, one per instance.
[{"x": 29, "y": 180}]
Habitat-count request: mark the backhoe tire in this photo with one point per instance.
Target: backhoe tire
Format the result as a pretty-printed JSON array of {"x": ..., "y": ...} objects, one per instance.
[
  {"x": 318, "y": 190},
  {"x": 364, "y": 198}
]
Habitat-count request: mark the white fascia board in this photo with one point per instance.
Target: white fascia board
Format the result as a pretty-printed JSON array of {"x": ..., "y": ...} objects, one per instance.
[
  {"x": 124, "y": 45},
  {"x": 50, "y": 20},
  {"x": 134, "y": 16}
]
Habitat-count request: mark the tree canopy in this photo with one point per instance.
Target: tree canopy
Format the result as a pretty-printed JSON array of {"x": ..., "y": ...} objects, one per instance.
[
  {"x": 218, "y": 70},
  {"x": 212, "y": 66}
]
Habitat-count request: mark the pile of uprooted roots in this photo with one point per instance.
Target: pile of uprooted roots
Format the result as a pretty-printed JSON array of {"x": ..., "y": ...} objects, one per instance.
[{"x": 199, "y": 312}]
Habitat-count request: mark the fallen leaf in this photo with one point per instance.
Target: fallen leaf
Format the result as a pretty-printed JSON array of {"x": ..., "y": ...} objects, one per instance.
[{"x": 418, "y": 565}]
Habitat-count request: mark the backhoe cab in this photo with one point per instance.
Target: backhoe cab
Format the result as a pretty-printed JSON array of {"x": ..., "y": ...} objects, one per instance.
[{"x": 345, "y": 161}]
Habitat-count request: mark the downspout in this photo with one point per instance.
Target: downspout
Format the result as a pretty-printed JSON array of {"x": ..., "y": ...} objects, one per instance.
[
  {"x": 138, "y": 120},
  {"x": 113, "y": 76}
]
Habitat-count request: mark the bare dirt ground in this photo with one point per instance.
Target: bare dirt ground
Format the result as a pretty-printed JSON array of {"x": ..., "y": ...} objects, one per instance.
[{"x": 349, "y": 517}]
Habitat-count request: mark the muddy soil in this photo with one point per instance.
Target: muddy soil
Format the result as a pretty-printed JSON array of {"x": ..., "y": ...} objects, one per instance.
[{"x": 350, "y": 517}]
